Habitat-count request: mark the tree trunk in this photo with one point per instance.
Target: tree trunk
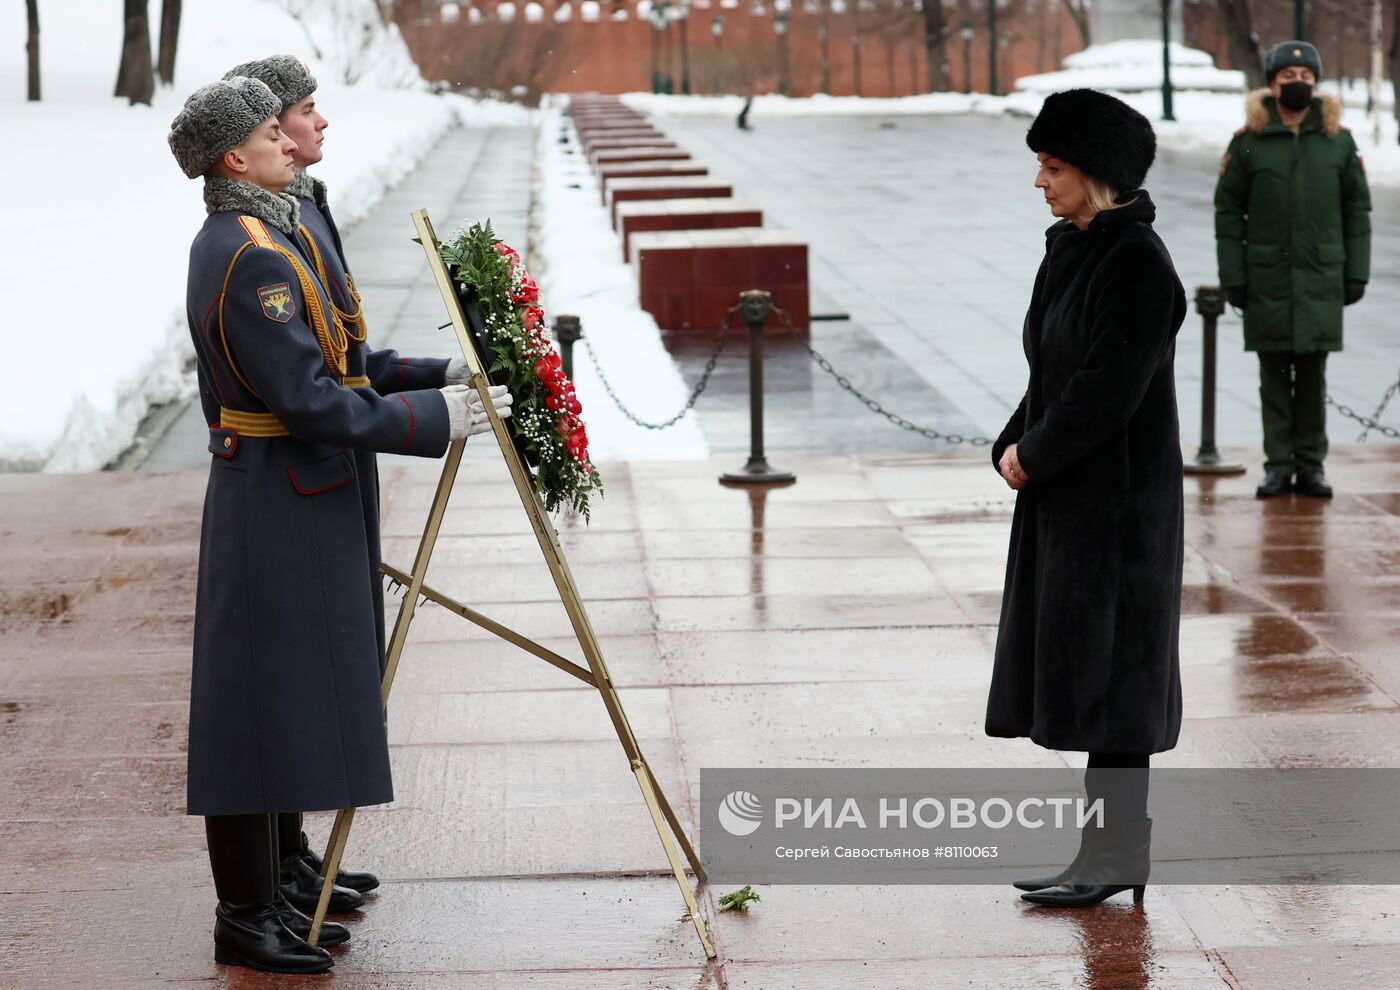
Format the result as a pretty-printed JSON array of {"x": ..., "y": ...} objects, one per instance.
[
  {"x": 135, "y": 78},
  {"x": 169, "y": 39},
  {"x": 936, "y": 46},
  {"x": 32, "y": 47},
  {"x": 1243, "y": 42},
  {"x": 1395, "y": 55},
  {"x": 1079, "y": 11}
]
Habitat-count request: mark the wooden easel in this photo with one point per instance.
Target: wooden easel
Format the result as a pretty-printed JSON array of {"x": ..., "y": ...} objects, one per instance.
[{"x": 596, "y": 675}]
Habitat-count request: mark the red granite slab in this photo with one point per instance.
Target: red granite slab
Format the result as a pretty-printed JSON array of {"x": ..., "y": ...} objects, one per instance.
[
  {"x": 669, "y": 187},
  {"x": 647, "y": 170},
  {"x": 688, "y": 278},
  {"x": 685, "y": 214}
]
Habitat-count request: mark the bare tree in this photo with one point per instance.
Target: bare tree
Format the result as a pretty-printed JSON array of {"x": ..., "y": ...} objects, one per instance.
[
  {"x": 354, "y": 36},
  {"x": 1395, "y": 55},
  {"x": 1242, "y": 39},
  {"x": 936, "y": 46},
  {"x": 31, "y": 47},
  {"x": 135, "y": 78},
  {"x": 1079, "y": 13},
  {"x": 510, "y": 59},
  {"x": 169, "y": 39}
]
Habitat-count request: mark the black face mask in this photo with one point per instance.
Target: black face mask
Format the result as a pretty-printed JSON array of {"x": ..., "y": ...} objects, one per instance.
[{"x": 1295, "y": 96}]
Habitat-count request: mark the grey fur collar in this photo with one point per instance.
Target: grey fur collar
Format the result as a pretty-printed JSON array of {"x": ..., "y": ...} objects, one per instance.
[
  {"x": 305, "y": 187},
  {"x": 235, "y": 196}
]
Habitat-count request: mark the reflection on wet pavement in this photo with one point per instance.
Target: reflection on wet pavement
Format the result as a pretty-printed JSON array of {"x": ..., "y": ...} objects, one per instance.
[{"x": 846, "y": 620}]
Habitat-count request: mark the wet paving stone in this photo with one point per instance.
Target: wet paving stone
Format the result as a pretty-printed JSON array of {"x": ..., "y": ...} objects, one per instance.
[{"x": 847, "y": 621}]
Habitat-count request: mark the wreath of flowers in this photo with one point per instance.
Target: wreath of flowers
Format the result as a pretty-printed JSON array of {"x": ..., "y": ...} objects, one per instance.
[{"x": 545, "y": 414}]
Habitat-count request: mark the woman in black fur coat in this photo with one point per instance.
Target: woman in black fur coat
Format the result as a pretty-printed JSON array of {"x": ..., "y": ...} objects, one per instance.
[{"x": 1086, "y": 655}]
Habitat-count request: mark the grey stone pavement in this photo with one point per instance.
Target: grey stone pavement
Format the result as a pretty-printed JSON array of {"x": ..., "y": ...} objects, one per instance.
[
  {"x": 928, "y": 232},
  {"x": 472, "y": 174}
]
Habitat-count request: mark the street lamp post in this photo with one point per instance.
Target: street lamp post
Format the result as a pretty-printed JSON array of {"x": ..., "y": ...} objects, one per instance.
[
  {"x": 1167, "y": 60},
  {"x": 717, "y": 29},
  {"x": 780, "y": 27},
  {"x": 655, "y": 16},
  {"x": 967, "y": 30},
  {"x": 685, "y": 47},
  {"x": 669, "y": 80},
  {"x": 992, "y": 41},
  {"x": 824, "y": 39},
  {"x": 1299, "y": 21}
]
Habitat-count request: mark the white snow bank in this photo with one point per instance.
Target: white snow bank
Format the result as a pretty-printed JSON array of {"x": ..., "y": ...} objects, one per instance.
[
  {"x": 1133, "y": 53},
  {"x": 97, "y": 242},
  {"x": 1134, "y": 66},
  {"x": 771, "y": 105},
  {"x": 577, "y": 260}
]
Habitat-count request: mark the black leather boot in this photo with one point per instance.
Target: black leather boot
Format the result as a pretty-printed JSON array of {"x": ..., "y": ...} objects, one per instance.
[
  {"x": 1313, "y": 483},
  {"x": 248, "y": 929},
  {"x": 301, "y": 885},
  {"x": 1060, "y": 877},
  {"x": 1119, "y": 859},
  {"x": 300, "y": 925},
  {"x": 1276, "y": 482},
  {"x": 289, "y": 824}
]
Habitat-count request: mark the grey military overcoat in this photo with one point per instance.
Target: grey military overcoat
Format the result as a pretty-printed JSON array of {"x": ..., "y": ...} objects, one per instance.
[{"x": 285, "y": 710}]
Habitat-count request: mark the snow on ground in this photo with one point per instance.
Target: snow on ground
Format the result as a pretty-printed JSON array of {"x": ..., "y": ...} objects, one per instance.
[
  {"x": 577, "y": 259},
  {"x": 97, "y": 242},
  {"x": 1133, "y": 66}
]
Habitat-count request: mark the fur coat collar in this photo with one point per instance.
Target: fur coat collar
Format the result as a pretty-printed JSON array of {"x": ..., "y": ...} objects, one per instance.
[
  {"x": 235, "y": 196},
  {"x": 1259, "y": 111}
]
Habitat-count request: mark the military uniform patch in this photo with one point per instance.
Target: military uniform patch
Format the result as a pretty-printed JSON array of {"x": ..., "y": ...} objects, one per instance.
[{"x": 277, "y": 302}]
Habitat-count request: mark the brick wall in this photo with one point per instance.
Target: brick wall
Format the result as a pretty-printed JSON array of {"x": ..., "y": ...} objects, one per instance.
[{"x": 615, "y": 56}]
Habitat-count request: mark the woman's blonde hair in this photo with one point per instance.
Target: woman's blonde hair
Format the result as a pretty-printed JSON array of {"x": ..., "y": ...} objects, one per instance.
[{"x": 1102, "y": 195}]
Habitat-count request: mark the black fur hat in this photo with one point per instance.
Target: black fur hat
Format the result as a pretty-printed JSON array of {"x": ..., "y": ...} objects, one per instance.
[{"x": 1098, "y": 134}]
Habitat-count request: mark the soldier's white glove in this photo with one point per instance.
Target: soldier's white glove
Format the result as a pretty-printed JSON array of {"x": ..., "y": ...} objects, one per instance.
[
  {"x": 466, "y": 415},
  {"x": 456, "y": 373}
]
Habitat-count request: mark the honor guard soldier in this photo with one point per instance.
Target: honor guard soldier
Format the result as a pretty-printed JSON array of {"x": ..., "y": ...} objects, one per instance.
[
  {"x": 383, "y": 371},
  {"x": 285, "y": 711},
  {"x": 1293, "y": 237}
]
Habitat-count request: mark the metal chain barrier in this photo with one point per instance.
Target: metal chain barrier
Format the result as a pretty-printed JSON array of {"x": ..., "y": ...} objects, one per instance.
[
  {"x": 1370, "y": 422},
  {"x": 871, "y": 404},
  {"x": 699, "y": 390}
]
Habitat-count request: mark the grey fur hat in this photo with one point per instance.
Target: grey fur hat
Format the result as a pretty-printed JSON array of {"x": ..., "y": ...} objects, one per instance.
[
  {"x": 218, "y": 117},
  {"x": 286, "y": 75},
  {"x": 1287, "y": 53}
]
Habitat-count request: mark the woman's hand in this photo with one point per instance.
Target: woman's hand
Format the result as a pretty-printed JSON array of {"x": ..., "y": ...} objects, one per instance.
[{"x": 1010, "y": 469}]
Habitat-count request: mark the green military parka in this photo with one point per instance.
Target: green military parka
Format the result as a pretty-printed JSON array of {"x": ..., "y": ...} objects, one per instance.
[{"x": 1292, "y": 224}]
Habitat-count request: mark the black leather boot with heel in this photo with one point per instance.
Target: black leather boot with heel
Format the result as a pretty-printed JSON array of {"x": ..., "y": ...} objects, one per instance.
[
  {"x": 300, "y": 881},
  {"x": 248, "y": 927},
  {"x": 1118, "y": 858}
]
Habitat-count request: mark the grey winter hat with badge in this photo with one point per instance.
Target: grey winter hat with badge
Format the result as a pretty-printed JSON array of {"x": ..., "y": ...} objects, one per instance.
[
  {"x": 1287, "y": 53},
  {"x": 286, "y": 75},
  {"x": 217, "y": 118}
]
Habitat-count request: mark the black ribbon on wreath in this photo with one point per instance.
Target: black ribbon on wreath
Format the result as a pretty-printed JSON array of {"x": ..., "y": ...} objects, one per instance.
[{"x": 467, "y": 296}]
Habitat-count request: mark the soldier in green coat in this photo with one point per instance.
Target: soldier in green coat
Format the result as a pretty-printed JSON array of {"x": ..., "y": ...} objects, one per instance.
[{"x": 1293, "y": 236}]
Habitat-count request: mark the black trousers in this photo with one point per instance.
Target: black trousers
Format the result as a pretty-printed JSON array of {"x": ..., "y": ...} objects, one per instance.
[{"x": 1293, "y": 401}]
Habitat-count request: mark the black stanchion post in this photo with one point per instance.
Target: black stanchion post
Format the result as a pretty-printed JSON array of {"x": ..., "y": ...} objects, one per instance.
[
  {"x": 568, "y": 330},
  {"x": 756, "y": 306},
  {"x": 1210, "y": 303}
]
